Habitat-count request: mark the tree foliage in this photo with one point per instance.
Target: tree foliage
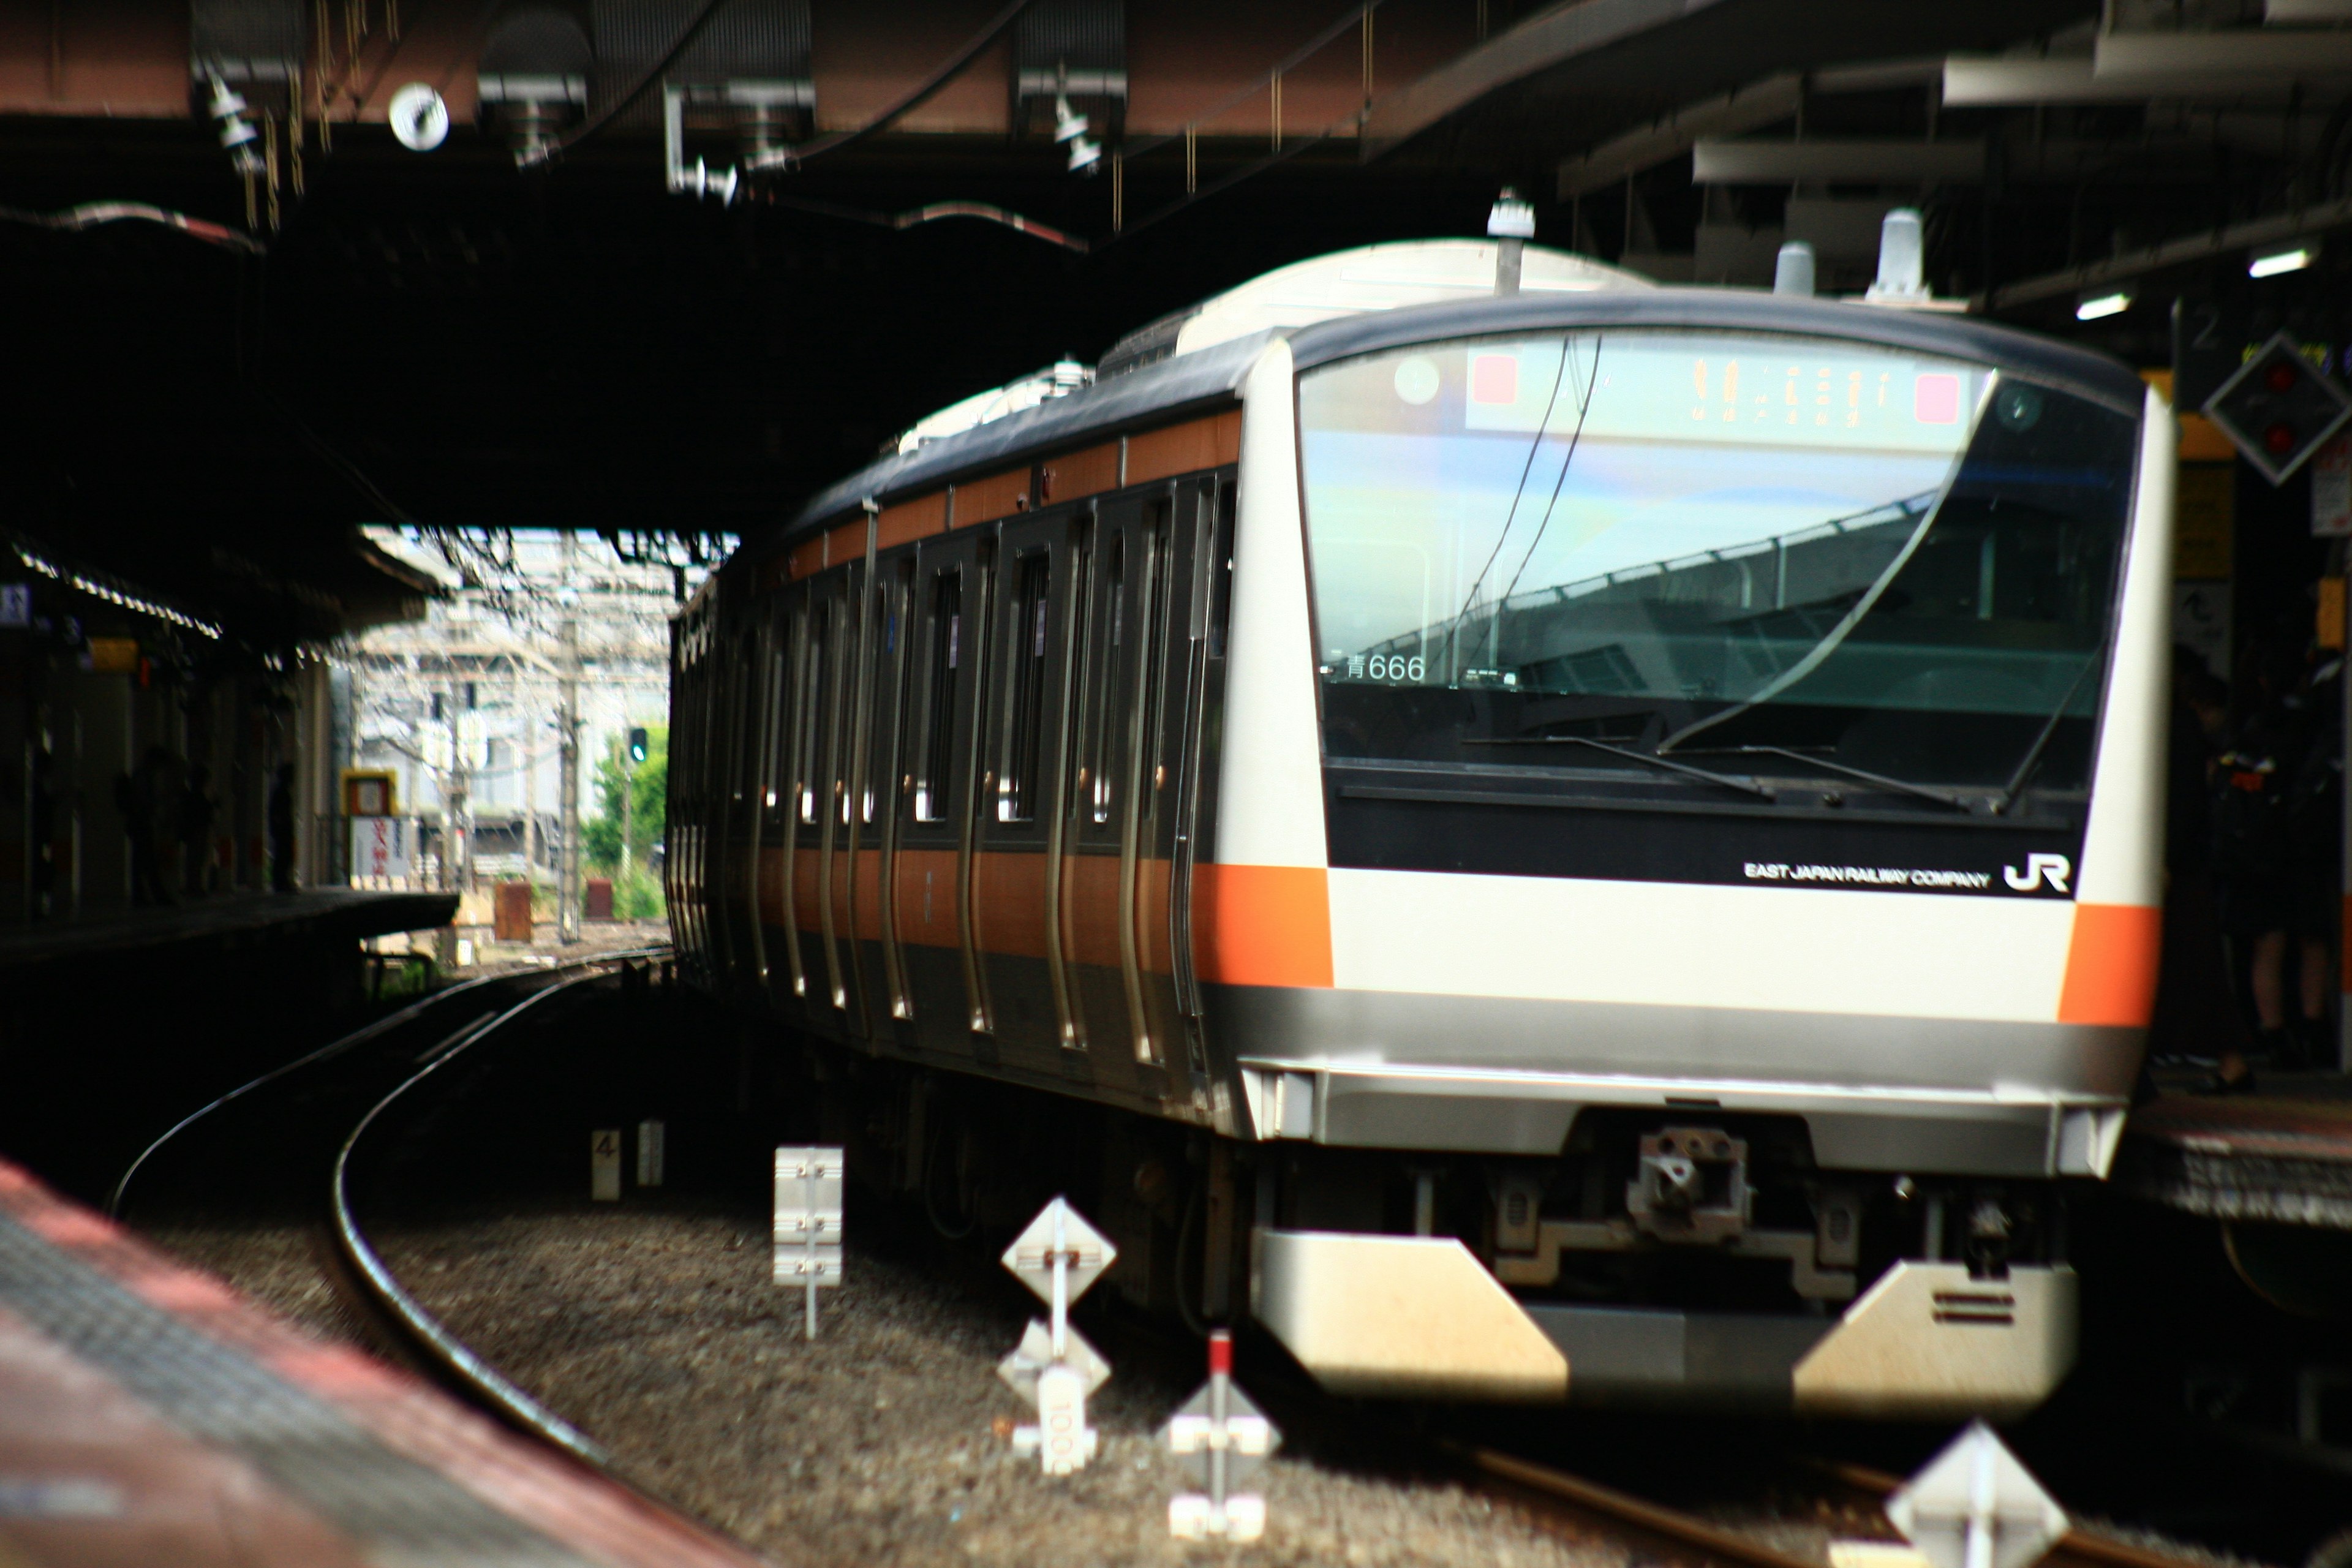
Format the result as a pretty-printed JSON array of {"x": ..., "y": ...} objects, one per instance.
[{"x": 647, "y": 783}]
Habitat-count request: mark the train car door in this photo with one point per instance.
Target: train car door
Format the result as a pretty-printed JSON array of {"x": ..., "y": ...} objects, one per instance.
[
  {"x": 1114, "y": 896},
  {"x": 765, "y": 906},
  {"x": 1016, "y": 885},
  {"x": 931, "y": 866},
  {"x": 797, "y": 763},
  {"x": 835, "y": 595},
  {"x": 722, "y": 856},
  {"x": 889, "y": 666},
  {"x": 1182, "y": 802}
]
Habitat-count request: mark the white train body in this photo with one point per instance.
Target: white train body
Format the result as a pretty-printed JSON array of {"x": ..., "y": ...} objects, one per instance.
[{"x": 1622, "y": 824}]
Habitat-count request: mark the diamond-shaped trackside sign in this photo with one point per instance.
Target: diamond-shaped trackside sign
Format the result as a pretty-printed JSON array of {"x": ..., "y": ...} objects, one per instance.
[
  {"x": 1196, "y": 1432},
  {"x": 1060, "y": 1230},
  {"x": 1019, "y": 1369},
  {"x": 1975, "y": 1506},
  {"x": 2278, "y": 408}
]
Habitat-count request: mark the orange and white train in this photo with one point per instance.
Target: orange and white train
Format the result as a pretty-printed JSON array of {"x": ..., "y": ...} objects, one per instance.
[{"x": 1590, "y": 843}]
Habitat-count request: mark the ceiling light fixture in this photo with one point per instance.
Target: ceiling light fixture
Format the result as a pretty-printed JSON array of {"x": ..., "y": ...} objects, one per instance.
[
  {"x": 2113, "y": 302},
  {"x": 2277, "y": 261}
]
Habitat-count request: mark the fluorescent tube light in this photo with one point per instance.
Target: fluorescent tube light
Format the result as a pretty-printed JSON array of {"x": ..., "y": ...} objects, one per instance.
[{"x": 2279, "y": 261}]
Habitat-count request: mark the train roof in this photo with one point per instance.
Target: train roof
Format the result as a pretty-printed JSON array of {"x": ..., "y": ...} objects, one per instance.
[
  {"x": 1946, "y": 335},
  {"x": 1378, "y": 297}
]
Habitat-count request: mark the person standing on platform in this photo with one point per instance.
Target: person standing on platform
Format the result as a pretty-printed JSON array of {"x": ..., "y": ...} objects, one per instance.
[
  {"x": 2196, "y": 1016},
  {"x": 2267, "y": 892},
  {"x": 140, "y": 794},
  {"x": 282, "y": 829},
  {"x": 196, "y": 832}
]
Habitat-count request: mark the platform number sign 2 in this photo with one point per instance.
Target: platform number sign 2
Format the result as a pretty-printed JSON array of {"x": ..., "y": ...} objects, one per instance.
[{"x": 604, "y": 1166}]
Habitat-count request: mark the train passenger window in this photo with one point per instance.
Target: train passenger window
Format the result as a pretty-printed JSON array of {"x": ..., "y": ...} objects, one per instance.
[
  {"x": 892, "y": 733},
  {"x": 812, "y": 706},
  {"x": 1154, "y": 632},
  {"x": 772, "y": 751},
  {"x": 1032, "y": 603},
  {"x": 1221, "y": 573},
  {"x": 1107, "y": 710},
  {"x": 935, "y": 767}
]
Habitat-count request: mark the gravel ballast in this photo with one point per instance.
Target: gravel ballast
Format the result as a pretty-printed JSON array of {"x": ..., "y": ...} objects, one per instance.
[{"x": 887, "y": 1441}]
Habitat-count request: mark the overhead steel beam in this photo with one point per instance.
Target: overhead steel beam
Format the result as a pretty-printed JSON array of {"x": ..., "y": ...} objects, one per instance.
[
  {"x": 1536, "y": 44},
  {"x": 2253, "y": 233},
  {"x": 1991, "y": 81},
  {"x": 2261, "y": 53},
  {"x": 1847, "y": 161},
  {"x": 1733, "y": 113},
  {"x": 1973, "y": 82},
  {"x": 1749, "y": 108}
]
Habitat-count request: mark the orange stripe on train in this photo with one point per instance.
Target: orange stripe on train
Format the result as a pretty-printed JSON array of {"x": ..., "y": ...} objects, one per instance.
[
  {"x": 2111, "y": 965},
  {"x": 1261, "y": 925}
]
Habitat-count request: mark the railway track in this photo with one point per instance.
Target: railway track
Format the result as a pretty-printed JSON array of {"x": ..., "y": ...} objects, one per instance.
[
  {"x": 310, "y": 1125},
  {"x": 351, "y": 1104},
  {"x": 1699, "y": 1544}
]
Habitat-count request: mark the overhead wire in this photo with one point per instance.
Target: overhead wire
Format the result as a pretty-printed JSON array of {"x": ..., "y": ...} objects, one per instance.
[
  {"x": 792, "y": 157},
  {"x": 1584, "y": 407},
  {"x": 1511, "y": 517},
  {"x": 1283, "y": 152},
  {"x": 914, "y": 217},
  {"x": 654, "y": 73},
  {"x": 90, "y": 215}
]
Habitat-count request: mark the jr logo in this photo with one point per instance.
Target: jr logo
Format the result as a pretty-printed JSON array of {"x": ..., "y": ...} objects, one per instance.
[{"x": 2039, "y": 868}]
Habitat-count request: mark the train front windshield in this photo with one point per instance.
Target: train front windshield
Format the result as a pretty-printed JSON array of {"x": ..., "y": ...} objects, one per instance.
[{"x": 1702, "y": 543}]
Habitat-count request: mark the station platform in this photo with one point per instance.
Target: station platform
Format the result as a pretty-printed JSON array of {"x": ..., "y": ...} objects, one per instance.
[
  {"x": 2282, "y": 1156},
  {"x": 220, "y": 924},
  {"x": 148, "y": 1415}
]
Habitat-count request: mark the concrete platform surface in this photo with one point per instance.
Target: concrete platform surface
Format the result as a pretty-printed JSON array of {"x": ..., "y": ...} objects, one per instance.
[
  {"x": 2283, "y": 1155},
  {"x": 150, "y": 1414},
  {"x": 225, "y": 922}
]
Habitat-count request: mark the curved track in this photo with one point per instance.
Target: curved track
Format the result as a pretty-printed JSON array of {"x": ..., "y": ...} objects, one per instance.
[
  {"x": 314, "y": 1120},
  {"x": 450, "y": 1357}
]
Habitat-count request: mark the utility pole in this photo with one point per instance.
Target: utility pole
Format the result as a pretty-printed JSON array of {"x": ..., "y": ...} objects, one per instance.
[
  {"x": 461, "y": 813},
  {"x": 567, "y": 915},
  {"x": 628, "y": 810},
  {"x": 444, "y": 941}
]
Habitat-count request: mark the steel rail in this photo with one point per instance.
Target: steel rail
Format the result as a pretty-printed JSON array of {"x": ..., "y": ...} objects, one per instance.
[
  {"x": 1589, "y": 1501},
  {"x": 2092, "y": 1548},
  {"x": 449, "y": 1354},
  {"x": 327, "y": 1052},
  {"x": 337, "y": 1047},
  {"x": 1693, "y": 1538}
]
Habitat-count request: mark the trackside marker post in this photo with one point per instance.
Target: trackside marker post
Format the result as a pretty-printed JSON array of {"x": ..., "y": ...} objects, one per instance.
[
  {"x": 1058, "y": 1256},
  {"x": 807, "y": 1234},
  {"x": 1976, "y": 1506},
  {"x": 604, "y": 1166},
  {"x": 1223, "y": 1441}
]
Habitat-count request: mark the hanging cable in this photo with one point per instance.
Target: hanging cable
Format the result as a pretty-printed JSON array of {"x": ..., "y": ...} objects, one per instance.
[
  {"x": 654, "y": 73},
  {"x": 1511, "y": 517},
  {"x": 792, "y": 157},
  {"x": 914, "y": 216},
  {"x": 1584, "y": 407},
  {"x": 90, "y": 214}
]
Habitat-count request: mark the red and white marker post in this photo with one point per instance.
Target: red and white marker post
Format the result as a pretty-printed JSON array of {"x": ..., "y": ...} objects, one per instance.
[{"x": 1223, "y": 1441}]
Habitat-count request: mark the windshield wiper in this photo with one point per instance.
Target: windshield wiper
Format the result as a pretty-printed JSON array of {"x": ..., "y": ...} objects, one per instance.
[
  {"x": 1745, "y": 786},
  {"x": 1901, "y": 787},
  {"x": 2032, "y": 758}
]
